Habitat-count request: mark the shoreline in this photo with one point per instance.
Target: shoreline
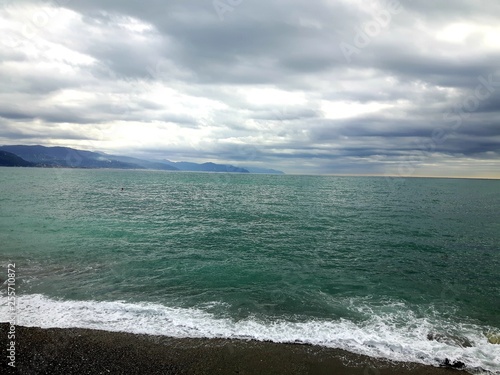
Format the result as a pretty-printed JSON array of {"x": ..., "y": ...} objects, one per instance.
[{"x": 85, "y": 351}]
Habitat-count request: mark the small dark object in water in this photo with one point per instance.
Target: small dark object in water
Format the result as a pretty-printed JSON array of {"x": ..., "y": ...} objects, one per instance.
[
  {"x": 455, "y": 364},
  {"x": 122, "y": 189}
]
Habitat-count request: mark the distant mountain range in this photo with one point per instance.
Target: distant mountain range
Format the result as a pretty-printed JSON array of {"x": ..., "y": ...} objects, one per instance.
[
  {"x": 8, "y": 159},
  {"x": 65, "y": 157}
]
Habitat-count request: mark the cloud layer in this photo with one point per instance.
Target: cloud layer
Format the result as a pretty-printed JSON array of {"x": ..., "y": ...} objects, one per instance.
[{"x": 347, "y": 87}]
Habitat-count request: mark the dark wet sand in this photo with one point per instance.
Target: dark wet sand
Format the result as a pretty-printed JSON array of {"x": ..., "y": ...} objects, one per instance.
[{"x": 83, "y": 351}]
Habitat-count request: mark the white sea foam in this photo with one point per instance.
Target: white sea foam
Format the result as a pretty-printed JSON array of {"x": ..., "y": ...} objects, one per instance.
[{"x": 392, "y": 332}]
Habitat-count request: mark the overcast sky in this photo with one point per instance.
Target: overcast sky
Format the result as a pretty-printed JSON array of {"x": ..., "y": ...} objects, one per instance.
[{"x": 403, "y": 87}]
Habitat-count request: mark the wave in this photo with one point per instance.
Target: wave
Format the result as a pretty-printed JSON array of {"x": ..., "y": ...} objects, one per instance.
[{"x": 391, "y": 330}]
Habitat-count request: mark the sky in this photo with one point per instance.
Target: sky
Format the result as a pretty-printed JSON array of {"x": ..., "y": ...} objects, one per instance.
[{"x": 389, "y": 87}]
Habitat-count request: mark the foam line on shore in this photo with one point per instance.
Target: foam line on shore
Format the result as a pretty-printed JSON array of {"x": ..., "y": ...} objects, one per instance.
[{"x": 392, "y": 333}]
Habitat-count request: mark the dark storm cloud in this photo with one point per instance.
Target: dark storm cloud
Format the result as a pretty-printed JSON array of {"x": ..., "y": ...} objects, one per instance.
[
  {"x": 12, "y": 133},
  {"x": 53, "y": 116},
  {"x": 492, "y": 105},
  {"x": 250, "y": 46},
  {"x": 15, "y": 115}
]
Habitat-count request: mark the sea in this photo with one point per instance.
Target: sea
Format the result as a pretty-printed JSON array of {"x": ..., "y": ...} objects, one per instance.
[{"x": 406, "y": 269}]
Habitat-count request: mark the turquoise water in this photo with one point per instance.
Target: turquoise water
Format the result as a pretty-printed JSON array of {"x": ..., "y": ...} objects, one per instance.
[{"x": 368, "y": 264}]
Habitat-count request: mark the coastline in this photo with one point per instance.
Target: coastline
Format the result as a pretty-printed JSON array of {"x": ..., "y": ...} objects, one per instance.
[{"x": 84, "y": 351}]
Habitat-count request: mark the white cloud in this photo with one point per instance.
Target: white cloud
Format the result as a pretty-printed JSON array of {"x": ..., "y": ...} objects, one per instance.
[{"x": 348, "y": 109}]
